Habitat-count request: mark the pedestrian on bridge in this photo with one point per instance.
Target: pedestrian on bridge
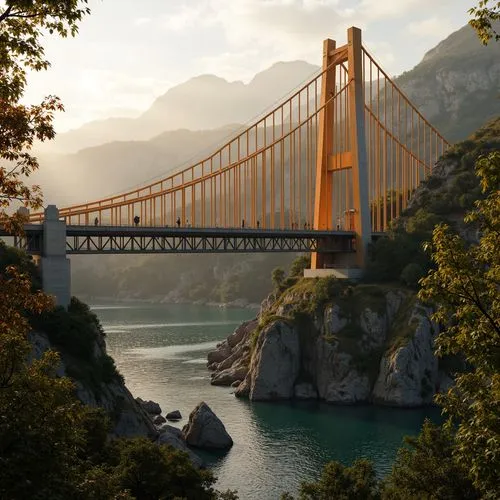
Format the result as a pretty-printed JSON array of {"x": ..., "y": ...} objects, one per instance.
[
  {"x": 178, "y": 222},
  {"x": 137, "y": 220},
  {"x": 96, "y": 221},
  {"x": 243, "y": 224}
]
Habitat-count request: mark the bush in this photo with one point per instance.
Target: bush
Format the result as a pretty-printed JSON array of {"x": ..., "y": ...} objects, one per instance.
[
  {"x": 325, "y": 290},
  {"x": 109, "y": 372},
  {"x": 342, "y": 483},
  {"x": 10, "y": 256},
  {"x": 277, "y": 277},
  {"x": 73, "y": 331},
  {"x": 298, "y": 266},
  {"x": 150, "y": 471},
  {"x": 427, "y": 469}
]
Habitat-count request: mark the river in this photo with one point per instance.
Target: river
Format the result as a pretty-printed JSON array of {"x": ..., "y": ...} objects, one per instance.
[{"x": 161, "y": 350}]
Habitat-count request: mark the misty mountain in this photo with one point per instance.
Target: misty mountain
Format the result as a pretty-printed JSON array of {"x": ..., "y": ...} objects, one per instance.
[
  {"x": 201, "y": 103},
  {"x": 456, "y": 86},
  {"x": 104, "y": 170}
]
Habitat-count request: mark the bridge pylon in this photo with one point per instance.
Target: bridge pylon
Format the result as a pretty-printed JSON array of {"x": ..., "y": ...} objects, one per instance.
[
  {"x": 55, "y": 266},
  {"x": 344, "y": 150}
]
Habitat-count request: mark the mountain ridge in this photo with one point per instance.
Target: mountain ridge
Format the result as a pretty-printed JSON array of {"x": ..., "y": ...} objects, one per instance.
[{"x": 203, "y": 102}]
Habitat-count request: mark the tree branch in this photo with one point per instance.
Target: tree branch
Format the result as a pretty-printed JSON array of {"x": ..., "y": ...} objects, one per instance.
[
  {"x": 6, "y": 14},
  {"x": 20, "y": 15}
]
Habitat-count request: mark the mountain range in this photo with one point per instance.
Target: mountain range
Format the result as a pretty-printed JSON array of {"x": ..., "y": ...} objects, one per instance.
[
  {"x": 456, "y": 85},
  {"x": 202, "y": 103}
]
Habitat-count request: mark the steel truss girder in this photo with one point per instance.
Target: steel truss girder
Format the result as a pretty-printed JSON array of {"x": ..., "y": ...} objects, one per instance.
[
  {"x": 91, "y": 244},
  {"x": 31, "y": 243}
]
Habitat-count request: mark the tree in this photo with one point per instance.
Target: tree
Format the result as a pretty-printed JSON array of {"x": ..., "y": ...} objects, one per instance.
[
  {"x": 486, "y": 14},
  {"x": 278, "y": 277},
  {"x": 39, "y": 416},
  {"x": 51, "y": 446},
  {"x": 41, "y": 433},
  {"x": 465, "y": 287},
  {"x": 150, "y": 471},
  {"x": 342, "y": 483},
  {"x": 22, "y": 26},
  {"x": 426, "y": 468},
  {"x": 298, "y": 265}
]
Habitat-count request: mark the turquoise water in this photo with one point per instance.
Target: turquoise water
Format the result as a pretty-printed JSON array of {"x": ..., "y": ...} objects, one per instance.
[{"x": 161, "y": 350}]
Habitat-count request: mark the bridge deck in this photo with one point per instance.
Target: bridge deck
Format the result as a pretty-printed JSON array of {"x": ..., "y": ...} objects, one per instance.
[{"x": 137, "y": 239}]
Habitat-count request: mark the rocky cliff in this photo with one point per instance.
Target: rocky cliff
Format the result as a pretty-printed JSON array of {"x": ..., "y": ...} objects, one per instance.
[
  {"x": 110, "y": 393},
  {"x": 78, "y": 337},
  {"x": 457, "y": 84},
  {"x": 321, "y": 339}
]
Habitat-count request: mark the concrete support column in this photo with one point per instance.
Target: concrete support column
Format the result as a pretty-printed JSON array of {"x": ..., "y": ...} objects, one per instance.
[{"x": 56, "y": 271}]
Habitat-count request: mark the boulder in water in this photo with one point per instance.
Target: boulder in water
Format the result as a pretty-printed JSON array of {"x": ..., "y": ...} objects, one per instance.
[
  {"x": 174, "y": 415},
  {"x": 158, "y": 420},
  {"x": 150, "y": 406},
  {"x": 205, "y": 430}
]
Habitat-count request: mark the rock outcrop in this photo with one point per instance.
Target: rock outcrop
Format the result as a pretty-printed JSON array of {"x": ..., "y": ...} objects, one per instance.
[
  {"x": 172, "y": 436},
  {"x": 150, "y": 407},
  {"x": 128, "y": 417},
  {"x": 374, "y": 346},
  {"x": 275, "y": 365},
  {"x": 173, "y": 415},
  {"x": 231, "y": 359},
  {"x": 205, "y": 430},
  {"x": 409, "y": 374},
  {"x": 456, "y": 98}
]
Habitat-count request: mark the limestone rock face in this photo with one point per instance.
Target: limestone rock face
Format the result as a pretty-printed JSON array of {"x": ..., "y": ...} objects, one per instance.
[
  {"x": 205, "y": 430},
  {"x": 220, "y": 354},
  {"x": 276, "y": 363},
  {"x": 229, "y": 376},
  {"x": 409, "y": 374},
  {"x": 231, "y": 359},
  {"x": 378, "y": 348},
  {"x": 332, "y": 319},
  {"x": 129, "y": 417},
  {"x": 337, "y": 380}
]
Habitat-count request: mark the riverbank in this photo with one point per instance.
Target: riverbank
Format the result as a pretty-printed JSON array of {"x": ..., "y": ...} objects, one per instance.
[{"x": 161, "y": 350}]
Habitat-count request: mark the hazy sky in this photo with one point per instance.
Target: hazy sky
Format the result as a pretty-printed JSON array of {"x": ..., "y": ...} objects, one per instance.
[{"x": 130, "y": 51}]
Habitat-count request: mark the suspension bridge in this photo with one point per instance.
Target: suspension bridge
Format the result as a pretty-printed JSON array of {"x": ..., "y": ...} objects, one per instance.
[{"x": 325, "y": 171}]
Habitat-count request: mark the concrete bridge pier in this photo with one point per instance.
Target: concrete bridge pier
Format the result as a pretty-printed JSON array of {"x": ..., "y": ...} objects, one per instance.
[{"x": 55, "y": 266}]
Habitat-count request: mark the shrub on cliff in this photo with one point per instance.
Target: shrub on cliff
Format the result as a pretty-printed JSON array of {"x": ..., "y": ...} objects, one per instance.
[
  {"x": 426, "y": 468},
  {"x": 146, "y": 471},
  {"x": 10, "y": 256},
  {"x": 342, "y": 483},
  {"x": 442, "y": 198},
  {"x": 74, "y": 330}
]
